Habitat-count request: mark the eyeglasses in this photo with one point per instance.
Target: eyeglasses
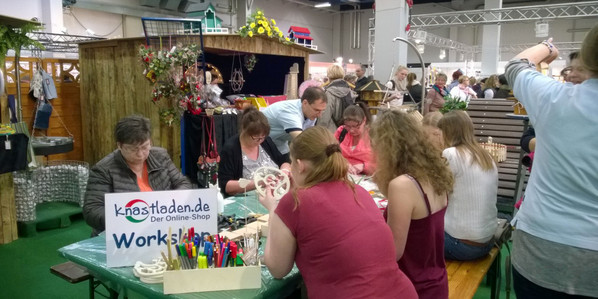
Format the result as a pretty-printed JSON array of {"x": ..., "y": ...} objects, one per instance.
[
  {"x": 316, "y": 110},
  {"x": 260, "y": 139},
  {"x": 353, "y": 126},
  {"x": 135, "y": 149}
]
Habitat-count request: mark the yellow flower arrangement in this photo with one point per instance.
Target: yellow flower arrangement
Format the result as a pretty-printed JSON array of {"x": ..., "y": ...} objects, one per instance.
[{"x": 258, "y": 24}]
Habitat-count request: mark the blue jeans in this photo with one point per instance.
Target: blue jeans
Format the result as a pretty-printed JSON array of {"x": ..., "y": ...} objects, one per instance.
[{"x": 456, "y": 250}]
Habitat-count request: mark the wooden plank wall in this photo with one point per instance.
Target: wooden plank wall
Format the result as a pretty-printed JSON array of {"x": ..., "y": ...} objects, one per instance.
[
  {"x": 66, "y": 115},
  {"x": 8, "y": 212},
  {"x": 112, "y": 87}
]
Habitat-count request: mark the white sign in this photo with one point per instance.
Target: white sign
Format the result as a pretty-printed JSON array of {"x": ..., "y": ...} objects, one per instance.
[{"x": 137, "y": 223}]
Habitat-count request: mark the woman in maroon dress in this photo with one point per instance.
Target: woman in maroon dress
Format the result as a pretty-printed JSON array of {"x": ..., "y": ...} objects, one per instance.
[{"x": 416, "y": 180}]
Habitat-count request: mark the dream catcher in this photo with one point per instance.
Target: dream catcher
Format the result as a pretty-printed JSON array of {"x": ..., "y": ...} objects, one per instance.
[
  {"x": 272, "y": 178},
  {"x": 236, "y": 77}
]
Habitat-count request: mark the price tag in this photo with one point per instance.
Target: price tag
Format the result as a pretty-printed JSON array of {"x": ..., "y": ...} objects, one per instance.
[{"x": 7, "y": 145}]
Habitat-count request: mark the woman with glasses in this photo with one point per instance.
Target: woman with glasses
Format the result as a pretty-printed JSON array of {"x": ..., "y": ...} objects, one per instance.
[
  {"x": 133, "y": 167},
  {"x": 243, "y": 154},
  {"x": 354, "y": 139}
]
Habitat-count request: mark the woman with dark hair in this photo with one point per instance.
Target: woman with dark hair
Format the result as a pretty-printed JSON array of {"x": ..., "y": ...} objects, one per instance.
[
  {"x": 470, "y": 220},
  {"x": 331, "y": 228},
  {"x": 354, "y": 139},
  {"x": 244, "y": 153},
  {"x": 134, "y": 166},
  {"x": 416, "y": 180},
  {"x": 414, "y": 87}
]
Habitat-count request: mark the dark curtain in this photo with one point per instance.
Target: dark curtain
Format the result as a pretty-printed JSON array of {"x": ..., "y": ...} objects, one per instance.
[
  {"x": 196, "y": 133},
  {"x": 267, "y": 78}
]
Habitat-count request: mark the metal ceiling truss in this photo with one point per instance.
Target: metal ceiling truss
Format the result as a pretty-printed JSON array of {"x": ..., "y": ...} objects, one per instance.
[
  {"x": 441, "y": 42},
  {"x": 564, "y": 47},
  {"x": 64, "y": 43},
  {"x": 507, "y": 15}
]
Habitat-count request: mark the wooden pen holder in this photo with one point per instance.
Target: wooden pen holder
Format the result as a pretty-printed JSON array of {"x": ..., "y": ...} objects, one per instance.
[{"x": 212, "y": 279}]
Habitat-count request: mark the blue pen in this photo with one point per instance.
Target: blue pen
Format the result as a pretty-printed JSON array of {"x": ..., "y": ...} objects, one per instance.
[
  {"x": 210, "y": 253},
  {"x": 178, "y": 252},
  {"x": 225, "y": 258}
]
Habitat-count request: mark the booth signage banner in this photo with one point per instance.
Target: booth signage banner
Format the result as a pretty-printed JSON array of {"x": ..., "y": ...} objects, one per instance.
[{"x": 137, "y": 223}]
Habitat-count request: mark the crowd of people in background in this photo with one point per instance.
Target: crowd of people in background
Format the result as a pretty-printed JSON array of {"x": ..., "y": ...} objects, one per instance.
[{"x": 441, "y": 185}]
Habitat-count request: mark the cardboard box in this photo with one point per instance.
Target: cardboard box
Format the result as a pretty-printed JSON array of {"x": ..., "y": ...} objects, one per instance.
[{"x": 212, "y": 279}]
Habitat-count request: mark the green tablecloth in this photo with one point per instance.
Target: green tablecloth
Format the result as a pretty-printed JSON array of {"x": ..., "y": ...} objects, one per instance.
[{"x": 91, "y": 253}]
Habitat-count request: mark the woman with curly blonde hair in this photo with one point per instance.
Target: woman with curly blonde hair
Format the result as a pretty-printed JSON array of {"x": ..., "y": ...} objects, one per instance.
[{"x": 416, "y": 181}]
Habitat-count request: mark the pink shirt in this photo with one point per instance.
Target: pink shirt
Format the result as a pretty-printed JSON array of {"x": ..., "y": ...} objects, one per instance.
[
  {"x": 362, "y": 153},
  {"x": 345, "y": 248}
]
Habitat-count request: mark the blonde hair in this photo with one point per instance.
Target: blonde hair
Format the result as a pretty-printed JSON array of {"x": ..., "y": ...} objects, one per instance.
[
  {"x": 334, "y": 72},
  {"x": 318, "y": 146},
  {"x": 441, "y": 75},
  {"x": 491, "y": 82},
  {"x": 432, "y": 118},
  {"x": 401, "y": 147},
  {"x": 457, "y": 129},
  {"x": 463, "y": 79},
  {"x": 589, "y": 48},
  {"x": 430, "y": 126}
]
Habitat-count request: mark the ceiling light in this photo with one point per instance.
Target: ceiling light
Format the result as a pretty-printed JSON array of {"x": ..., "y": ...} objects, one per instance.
[
  {"x": 90, "y": 32},
  {"x": 442, "y": 54},
  {"x": 323, "y": 4},
  {"x": 420, "y": 49}
]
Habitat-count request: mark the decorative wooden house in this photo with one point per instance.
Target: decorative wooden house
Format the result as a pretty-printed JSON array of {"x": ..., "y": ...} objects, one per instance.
[
  {"x": 372, "y": 93},
  {"x": 210, "y": 23},
  {"x": 300, "y": 35}
]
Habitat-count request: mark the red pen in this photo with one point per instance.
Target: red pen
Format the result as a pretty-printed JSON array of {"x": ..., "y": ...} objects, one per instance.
[{"x": 233, "y": 250}]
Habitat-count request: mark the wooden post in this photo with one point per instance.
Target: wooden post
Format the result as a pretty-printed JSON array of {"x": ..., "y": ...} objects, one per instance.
[{"x": 8, "y": 212}]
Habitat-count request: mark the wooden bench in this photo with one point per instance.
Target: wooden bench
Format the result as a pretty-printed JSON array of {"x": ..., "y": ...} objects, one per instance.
[
  {"x": 75, "y": 273},
  {"x": 489, "y": 119},
  {"x": 464, "y": 277}
]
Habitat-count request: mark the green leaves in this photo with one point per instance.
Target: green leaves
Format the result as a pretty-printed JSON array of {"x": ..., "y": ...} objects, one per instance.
[
  {"x": 453, "y": 103},
  {"x": 12, "y": 38}
]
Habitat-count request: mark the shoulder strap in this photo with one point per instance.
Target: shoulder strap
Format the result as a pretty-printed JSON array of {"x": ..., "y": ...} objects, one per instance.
[
  {"x": 341, "y": 137},
  {"x": 421, "y": 191}
]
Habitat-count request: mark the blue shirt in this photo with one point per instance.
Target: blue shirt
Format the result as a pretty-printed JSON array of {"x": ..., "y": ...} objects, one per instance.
[
  {"x": 561, "y": 199},
  {"x": 285, "y": 117}
]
